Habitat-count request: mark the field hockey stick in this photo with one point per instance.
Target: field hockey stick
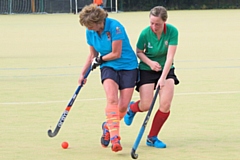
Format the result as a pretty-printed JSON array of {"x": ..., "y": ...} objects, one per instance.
[
  {"x": 67, "y": 109},
  {"x": 140, "y": 134}
]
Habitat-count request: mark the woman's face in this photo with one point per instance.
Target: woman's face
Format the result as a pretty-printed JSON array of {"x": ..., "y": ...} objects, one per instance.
[
  {"x": 95, "y": 26},
  {"x": 156, "y": 24}
]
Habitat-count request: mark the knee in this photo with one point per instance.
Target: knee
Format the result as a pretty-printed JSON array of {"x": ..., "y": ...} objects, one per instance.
[
  {"x": 123, "y": 107},
  {"x": 165, "y": 107},
  {"x": 144, "y": 106}
]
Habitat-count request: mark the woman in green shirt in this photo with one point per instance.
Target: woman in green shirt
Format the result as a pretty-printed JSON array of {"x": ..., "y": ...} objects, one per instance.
[{"x": 156, "y": 48}]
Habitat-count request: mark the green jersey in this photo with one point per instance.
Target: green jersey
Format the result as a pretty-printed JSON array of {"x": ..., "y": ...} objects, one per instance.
[{"x": 156, "y": 49}]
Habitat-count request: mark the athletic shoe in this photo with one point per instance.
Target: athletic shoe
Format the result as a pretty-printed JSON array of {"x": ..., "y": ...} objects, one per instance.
[
  {"x": 105, "y": 139},
  {"x": 116, "y": 146},
  {"x": 155, "y": 142},
  {"x": 128, "y": 118}
]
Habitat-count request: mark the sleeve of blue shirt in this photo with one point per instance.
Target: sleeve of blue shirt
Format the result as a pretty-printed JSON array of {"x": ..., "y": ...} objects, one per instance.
[
  {"x": 88, "y": 35},
  {"x": 117, "y": 31}
]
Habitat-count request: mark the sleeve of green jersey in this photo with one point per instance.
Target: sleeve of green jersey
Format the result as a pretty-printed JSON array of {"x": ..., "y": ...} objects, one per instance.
[
  {"x": 173, "y": 36},
  {"x": 141, "y": 43}
]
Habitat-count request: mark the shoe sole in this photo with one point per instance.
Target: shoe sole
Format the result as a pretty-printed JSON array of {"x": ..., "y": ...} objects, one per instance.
[
  {"x": 152, "y": 145},
  {"x": 116, "y": 147},
  {"x": 104, "y": 146},
  {"x": 102, "y": 143}
]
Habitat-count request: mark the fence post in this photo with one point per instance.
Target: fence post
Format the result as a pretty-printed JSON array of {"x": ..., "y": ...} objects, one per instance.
[
  {"x": 76, "y": 7},
  {"x": 10, "y": 6},
  {"x": 111, "y": 5},
  {"x": 33, "y": 5},
  {"x": 41, "y": 6},
  {"x": 70, "y": 4}
]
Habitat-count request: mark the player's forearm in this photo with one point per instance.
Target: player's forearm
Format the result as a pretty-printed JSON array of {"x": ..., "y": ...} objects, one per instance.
[
  {"x": 87, "y": 64},
  {"x": 93, "y": 53},
  {"x": 116, "y": 51},
  {"x": 167, "y": 67},
  {"x": 169, "y": 60},
  {"x": 143, "y": 58}
]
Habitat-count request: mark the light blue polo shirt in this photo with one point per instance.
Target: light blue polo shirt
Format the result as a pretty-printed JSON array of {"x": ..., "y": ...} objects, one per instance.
[{"x": 113, "y": 31}]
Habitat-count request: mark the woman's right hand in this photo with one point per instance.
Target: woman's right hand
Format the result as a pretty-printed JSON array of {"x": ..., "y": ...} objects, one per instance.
[
  {"x": 82, "y": 80},
  {"x": 155, "y": 66}
]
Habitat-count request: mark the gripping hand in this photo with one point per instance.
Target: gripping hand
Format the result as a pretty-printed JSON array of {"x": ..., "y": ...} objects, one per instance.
[{"x": 97, "y": 61}]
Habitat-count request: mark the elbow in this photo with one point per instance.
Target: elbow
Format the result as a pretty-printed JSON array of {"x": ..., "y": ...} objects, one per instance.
[
  {"x": 170, "y": 59},
  {"x": 118, "y": 56},
  {"x": 138, "y": 55}
]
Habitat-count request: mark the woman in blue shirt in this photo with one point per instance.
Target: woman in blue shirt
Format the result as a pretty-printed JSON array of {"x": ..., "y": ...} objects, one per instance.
[{"x": 111, "y": 50}]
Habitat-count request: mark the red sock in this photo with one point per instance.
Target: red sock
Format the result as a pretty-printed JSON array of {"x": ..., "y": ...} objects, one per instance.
[
  {"x": 158, "y": 121},
  {"x": 134, "y": 107}
]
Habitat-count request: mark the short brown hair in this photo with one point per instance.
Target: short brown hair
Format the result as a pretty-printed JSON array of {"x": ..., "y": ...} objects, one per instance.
[
  {"x": 91, "y": 14},
  {"x": 159, "y": 11}
]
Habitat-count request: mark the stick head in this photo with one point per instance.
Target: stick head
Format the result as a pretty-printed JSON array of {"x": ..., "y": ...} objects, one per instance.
[
  {"x": 50, "y": 133},
  {"x": 133, "y": 154},
  {"x": 54, "y": 133}
]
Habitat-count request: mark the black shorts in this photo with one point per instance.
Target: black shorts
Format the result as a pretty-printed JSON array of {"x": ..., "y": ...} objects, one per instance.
[
  {"x": 146, "y": 77},
  {"x": 124, "y": 78}
]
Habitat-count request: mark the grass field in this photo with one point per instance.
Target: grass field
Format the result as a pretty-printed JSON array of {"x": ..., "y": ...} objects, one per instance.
[{"x": 41, "y": 57}]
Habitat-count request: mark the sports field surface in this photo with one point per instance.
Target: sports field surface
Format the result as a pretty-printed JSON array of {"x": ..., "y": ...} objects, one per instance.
[{"x": 41, "y": 57}]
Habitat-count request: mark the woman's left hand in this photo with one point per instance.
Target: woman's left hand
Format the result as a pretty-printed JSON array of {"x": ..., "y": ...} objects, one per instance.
[{"x": 161, "y": 83}]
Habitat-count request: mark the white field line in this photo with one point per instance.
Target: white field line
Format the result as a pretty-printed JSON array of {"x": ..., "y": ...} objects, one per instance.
[{"x": 97, "y": 99}]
